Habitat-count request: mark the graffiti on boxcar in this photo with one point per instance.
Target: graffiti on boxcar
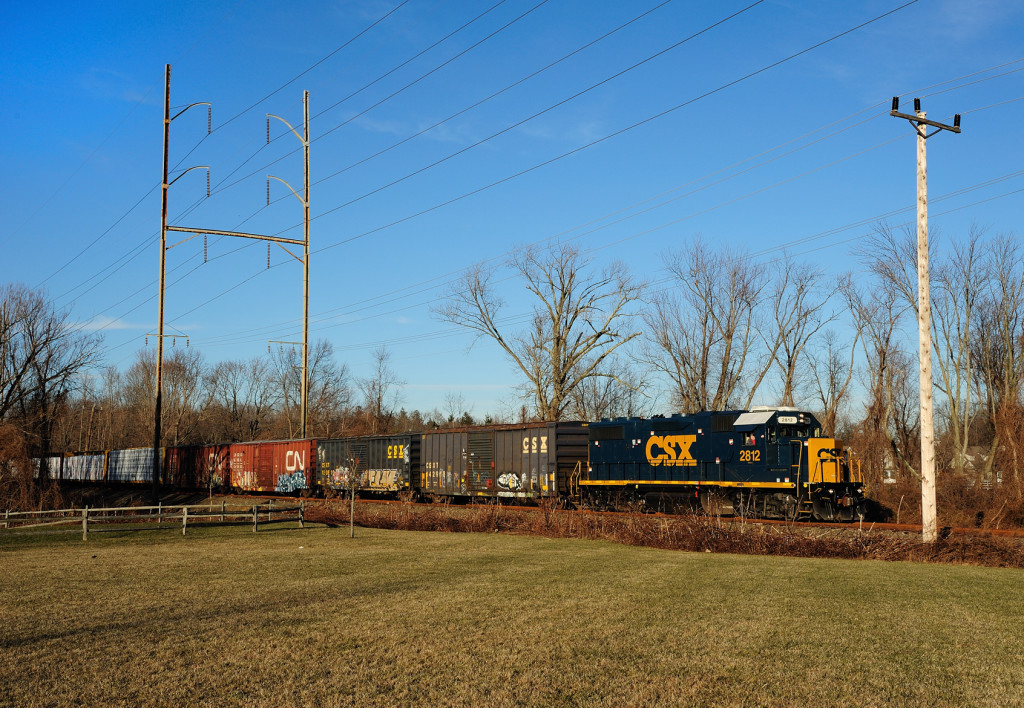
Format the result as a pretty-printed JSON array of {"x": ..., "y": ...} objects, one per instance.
[
  {"x": 243, "y": 479},
  {"x": 339, "y": 476},
  {"x": 510, "y": 481},
  {"x": 290, "y": 482},
  {"x": 383, "y": 479}
]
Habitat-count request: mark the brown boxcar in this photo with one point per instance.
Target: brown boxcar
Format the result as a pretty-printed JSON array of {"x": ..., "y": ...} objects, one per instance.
[
  {"x": 526, "y": 461},
  {"x": 197, "y": 466},
  {"x": 273, "y": 466}
]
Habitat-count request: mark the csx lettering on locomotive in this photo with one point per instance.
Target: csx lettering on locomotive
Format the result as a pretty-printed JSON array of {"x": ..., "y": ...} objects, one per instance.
[{"x": 671, "y": 450}]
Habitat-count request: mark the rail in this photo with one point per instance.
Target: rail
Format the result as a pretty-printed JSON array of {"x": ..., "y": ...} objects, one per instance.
[{"x": 186, "y": 513}]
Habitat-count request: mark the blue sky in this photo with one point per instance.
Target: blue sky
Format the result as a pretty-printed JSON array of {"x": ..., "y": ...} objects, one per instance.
[{"x": 798, "y": 150}]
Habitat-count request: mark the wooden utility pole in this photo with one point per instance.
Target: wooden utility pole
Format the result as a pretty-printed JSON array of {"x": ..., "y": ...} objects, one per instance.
[{"x": 929, "y": 516}]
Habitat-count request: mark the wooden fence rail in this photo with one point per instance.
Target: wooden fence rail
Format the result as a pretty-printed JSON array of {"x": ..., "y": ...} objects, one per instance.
[{"x": 187, "y": 513}]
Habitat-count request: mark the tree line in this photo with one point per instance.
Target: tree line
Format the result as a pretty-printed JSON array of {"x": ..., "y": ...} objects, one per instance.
[{"x": 718, "y": 329}]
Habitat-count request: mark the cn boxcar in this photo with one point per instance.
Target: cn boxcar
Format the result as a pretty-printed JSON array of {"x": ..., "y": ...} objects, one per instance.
[
  {"x": 197, "y": 466},
  {"x": 283, "y": 466},
  {"x": 768, "y": 462},
  {"x": 526, "y": 461},
  {"x": 381, "y": 464}
]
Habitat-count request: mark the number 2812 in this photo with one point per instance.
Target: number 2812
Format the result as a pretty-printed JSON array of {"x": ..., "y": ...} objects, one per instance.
[{"x": 750, "y": 455}]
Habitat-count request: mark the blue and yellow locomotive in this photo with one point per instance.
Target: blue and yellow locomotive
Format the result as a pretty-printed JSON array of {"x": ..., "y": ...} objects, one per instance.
[{"x": 765, "y": 462}]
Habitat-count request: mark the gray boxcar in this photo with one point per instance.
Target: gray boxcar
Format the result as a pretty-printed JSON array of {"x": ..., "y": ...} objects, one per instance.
[
  {"x": 525, "y": 461},
  {"x": 133, "y": 466},
  {"x": 380, "y": 463},
  {"x": 83, "y": 468}
]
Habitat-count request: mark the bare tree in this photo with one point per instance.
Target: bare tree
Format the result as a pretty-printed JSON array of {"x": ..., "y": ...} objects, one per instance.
[
  {"x": 245, "y": 396},
  {"x": 42, "y": 353},
  {"x": 703, "y": 336},
  {"x": 958, "y": 283},
  {"x": 453, "y": 410},
  {"x": 798, "y": 302},
  {"x": 330, "y": 394},
  {"x": 998, "y": 346},
  {"x": 328, "y": 388},
  {"x": 576, "y": 323},
  {"x": 381, "y": 393},
  {"x": 832, "y": 367},
  {"x": 624, "y": 392},
  {"x": 879, "y": 313}
]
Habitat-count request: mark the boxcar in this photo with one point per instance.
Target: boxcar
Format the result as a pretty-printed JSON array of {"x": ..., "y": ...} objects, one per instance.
[
  {"x": 383, "y": 464},
  {"x": 526, "y": 461},
  {"x": 84, "y": 467},
  {"x": 282, "y": 466},
  {"x": 197, "y": 466},
  {"x": 134, "y": 466}
]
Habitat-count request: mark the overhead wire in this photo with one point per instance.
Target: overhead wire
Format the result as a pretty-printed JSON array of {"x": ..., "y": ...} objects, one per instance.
[
  {"x": 784, "y": 144},
  {"x": 218, "y": 127},
  {"x": 998, "y": 103}
]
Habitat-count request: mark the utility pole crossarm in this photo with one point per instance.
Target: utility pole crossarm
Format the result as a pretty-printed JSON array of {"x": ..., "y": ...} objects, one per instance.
[
  {"x": 919, "y": 120},
  {"x": 239, "y": 234}
]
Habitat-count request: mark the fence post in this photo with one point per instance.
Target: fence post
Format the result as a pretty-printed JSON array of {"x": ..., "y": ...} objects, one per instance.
[
  {"x": 222, "y": 511},
  {"x": 184, "y": 519},
  {"x": 302, "y": 513},
  {"x": 255, "y": 517},
  {"x": 85, "y": 523},
  {"x": 7, "y": 516},
  {"x": 159, "y": 512},
  {"x": 270, "y": 510}
]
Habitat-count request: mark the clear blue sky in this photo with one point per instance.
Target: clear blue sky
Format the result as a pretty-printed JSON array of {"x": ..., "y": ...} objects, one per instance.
[{"x": 82, "y": 90}]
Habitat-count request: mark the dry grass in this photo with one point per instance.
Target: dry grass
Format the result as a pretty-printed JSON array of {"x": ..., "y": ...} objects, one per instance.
[
  {"x": 683, "y": 533},
  {"x": 226, "y": 617}
]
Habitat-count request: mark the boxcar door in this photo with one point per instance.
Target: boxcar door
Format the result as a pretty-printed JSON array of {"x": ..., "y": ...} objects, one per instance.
[{"x": 480, "y": 463}]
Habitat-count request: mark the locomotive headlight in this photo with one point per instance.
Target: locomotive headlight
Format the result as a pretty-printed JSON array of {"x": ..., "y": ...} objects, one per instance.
[{"x": 831, "y": 491}]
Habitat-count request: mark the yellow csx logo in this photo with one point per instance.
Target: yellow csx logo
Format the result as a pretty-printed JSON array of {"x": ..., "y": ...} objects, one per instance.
[{"x": 670, "y": 450}]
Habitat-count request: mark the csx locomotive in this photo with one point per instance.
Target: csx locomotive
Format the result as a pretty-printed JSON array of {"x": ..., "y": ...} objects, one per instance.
[{"x": 765, "y": 462}]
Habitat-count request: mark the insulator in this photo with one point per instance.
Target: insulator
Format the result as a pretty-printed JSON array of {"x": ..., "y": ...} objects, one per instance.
[
  {"x": 268, "y": 347},
  {"x": 207, "y": 181},
  {"x": 268, "y": 191},
  {"x": 268, "y": 256},
  {"x": 268, "y": 130},
  {"x": 174, "y": 340},
  {"x": 204, "y": 248},
  {"x": 147, "y": 340},
  {"x": 917, "y": 105},
  {"x": 956, "y": 121},
  {"x": 187, "y": 342},
  {"x": 209, "y": 119}
]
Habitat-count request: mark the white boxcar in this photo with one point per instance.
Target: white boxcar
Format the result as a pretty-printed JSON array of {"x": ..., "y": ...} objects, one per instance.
[
  {"x": 83, "y": 468},
  {"x": 130, "y": 466}
]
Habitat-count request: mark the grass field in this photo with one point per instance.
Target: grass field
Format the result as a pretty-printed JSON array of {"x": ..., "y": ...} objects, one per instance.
[{"x": 311, "y": 617}]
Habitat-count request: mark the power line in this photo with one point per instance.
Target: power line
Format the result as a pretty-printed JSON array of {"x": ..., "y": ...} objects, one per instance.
[{"x": 663, "y": 194}]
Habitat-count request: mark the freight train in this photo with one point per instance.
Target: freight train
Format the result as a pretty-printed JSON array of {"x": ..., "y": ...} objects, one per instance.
[{"x": 765, "y": 462}]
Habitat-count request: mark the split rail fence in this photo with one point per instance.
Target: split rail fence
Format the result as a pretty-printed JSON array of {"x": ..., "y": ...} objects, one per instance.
[{"x": 127, "y": 516}]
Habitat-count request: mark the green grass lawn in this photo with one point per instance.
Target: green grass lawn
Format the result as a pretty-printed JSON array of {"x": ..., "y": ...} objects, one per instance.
[{"x": 223, "y": 616}]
